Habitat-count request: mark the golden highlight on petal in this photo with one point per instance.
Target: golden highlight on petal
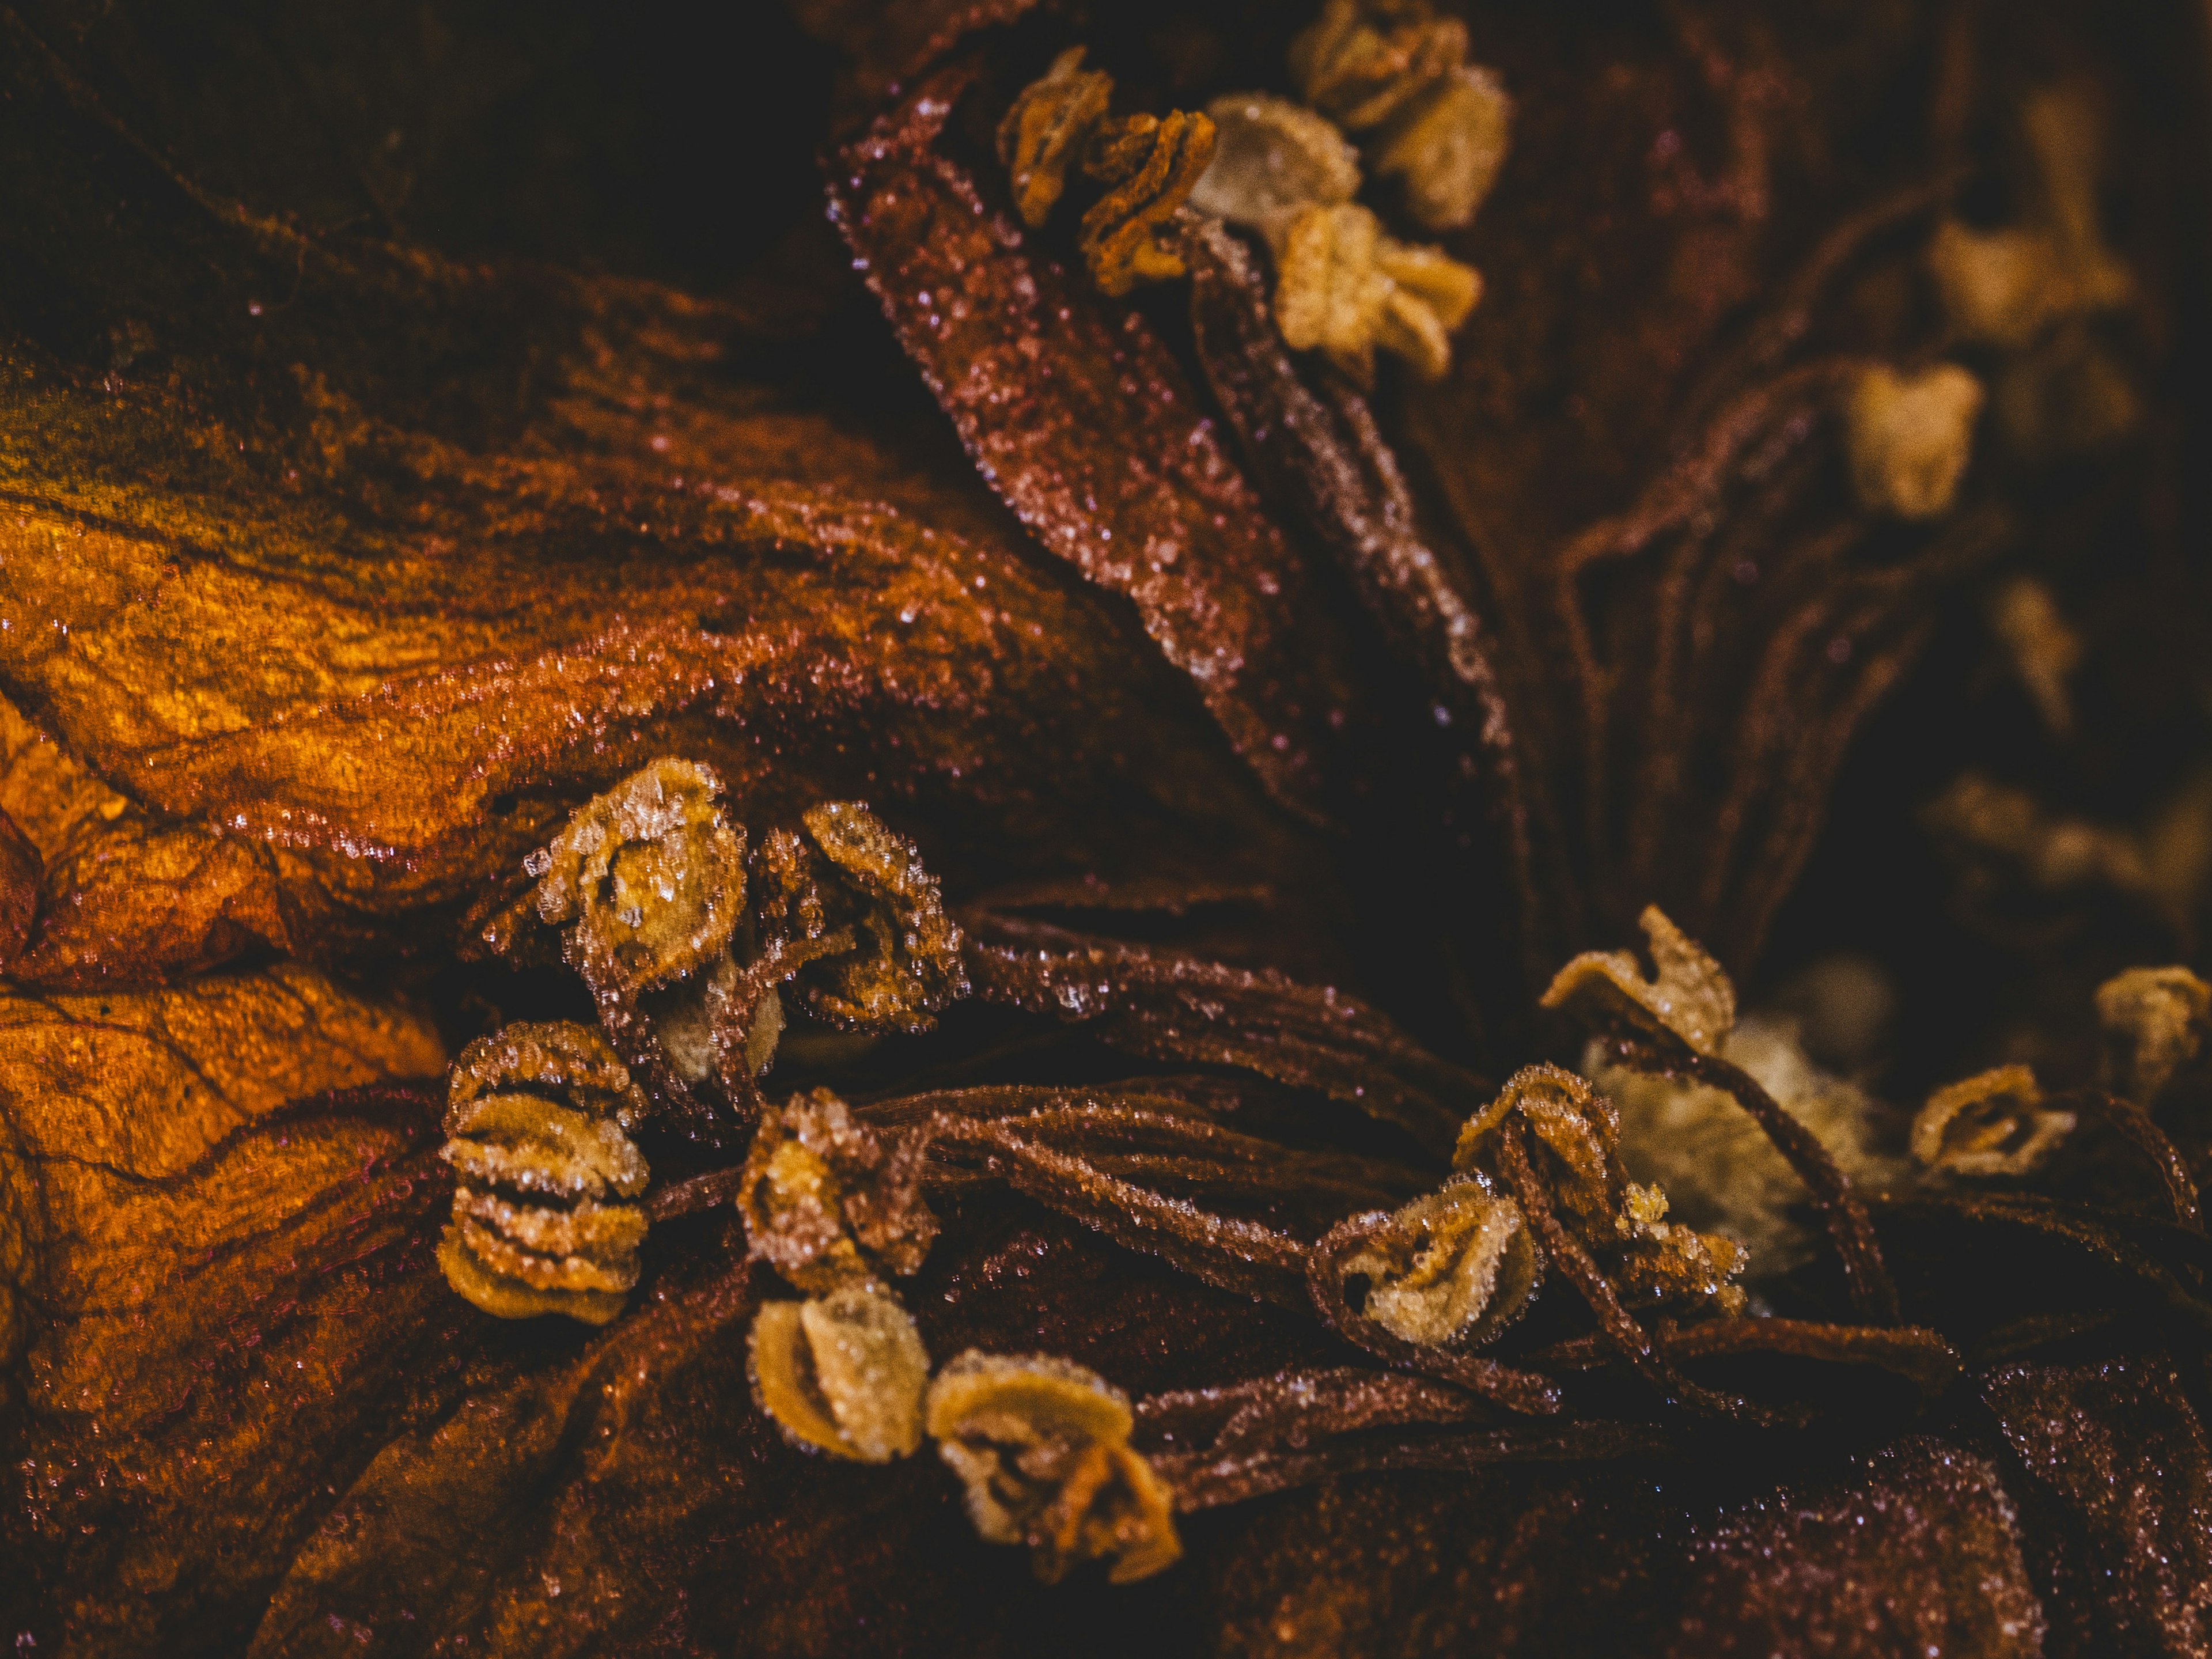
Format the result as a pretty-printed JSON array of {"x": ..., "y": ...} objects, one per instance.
[
  {"x": 1994, "y": 1124},
  {"x": 1043, "y": 1446},
  {"x": 1689, "y": 998},
  {"x": 843, "y": 1373}
]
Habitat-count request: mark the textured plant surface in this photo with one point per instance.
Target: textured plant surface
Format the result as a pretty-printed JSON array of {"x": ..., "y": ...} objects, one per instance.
[{"x": 823, "y": 830}]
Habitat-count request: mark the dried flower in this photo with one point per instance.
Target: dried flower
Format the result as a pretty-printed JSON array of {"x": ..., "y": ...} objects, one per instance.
[
  {"x": 534, "y": 1120},
  {"x": 1909, "y": 437},
  {"x": 1689, "y": 998},
  {"x": 1043, "y": 1447},
  {"x": 1452, "y": 1268},
  {"x": 1343, "y": 288},
  {"x": 649, "y": 877},
  {"x": 1360, "y": 75},
  {"x": 2154, "y": 1023},
  {"x": 1994, "y": 1124},
  {"x": 1272, "y": 160},
  {"x": 1151, "y": 165},
  {"x": 827, "y": 1199},
  {"x": 1046, "y": 129},
  {"x": 2045, "y": 650},
  {"x": 851, "y": 872},
  {"x": 1447, "y": 147},
  {"x": 843, "y": 1373}
]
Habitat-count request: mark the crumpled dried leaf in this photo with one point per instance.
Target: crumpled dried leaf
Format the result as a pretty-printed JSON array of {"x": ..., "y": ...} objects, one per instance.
[
  {"x": 1149, "y": 164},
  {"x": 843, "y": 1373},
  {"x": 1453, "y": 1268},
  {"x": 2153, "y": 1024},
  {"x": 1272, "y": 159},
  {"x": 1043, "y": 1446},
  {"x": 828, "y": 1201},
  {"x": 534, "y": 1118},
  {"x": 1911, "y": 436},
  {"x": 854, "y": 874},
  {"x": 1690, "y": 998},
  {"x": 1994, "y": 1124},
  {"x": 1045, "y": 130},
  {"x": 1108, "y": 459},
  {"x": 649, "y": 876}
]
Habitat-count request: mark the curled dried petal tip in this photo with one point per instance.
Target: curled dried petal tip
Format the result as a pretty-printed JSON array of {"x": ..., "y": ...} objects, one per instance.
[
  {"x": 1689, "y": 998},
  {"x": 545, "y": 1220},
  {"x": 1452, "y": 1269},
  {"x": 1909, "y": 437},
  {"x": 1043, "y": 1446},
  {"x": 2154, "y": 1022},
  {"x": 843, "y": 1373},
  {"x": 1994, "y": 1124}
]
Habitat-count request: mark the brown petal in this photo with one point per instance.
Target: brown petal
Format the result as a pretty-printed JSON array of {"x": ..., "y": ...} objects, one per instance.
[{"x": 1091, "y": 432}]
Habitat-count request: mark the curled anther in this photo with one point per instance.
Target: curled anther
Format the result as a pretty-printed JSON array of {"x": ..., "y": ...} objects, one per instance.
[
  {"x": 1344, "y": 288},
  {"x": 1272, "y": 160},
  {"x": 1045, "y": 130},
  {"x": 828, "y": 1202},
  {"x": 1361, "y": 66},
  {"x": 1909, "y": 437},
  {"x": 544, "y": 1219},
  {"x": 1452, "y": 1269},
  {"x": 1447, "y": 145},
  {"x": 2154, "y": 1022},
  {"x": 649, "y": 878},
  {"x": 1043, "y": 1446},
  {"x": 1690, "y": 998},
  {"x": 1151, "y": 164},
  {"x": 843, "y": 1373},
  {"x": 1995, "y": 1123},
  {"x": 851, "y": 872}
]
